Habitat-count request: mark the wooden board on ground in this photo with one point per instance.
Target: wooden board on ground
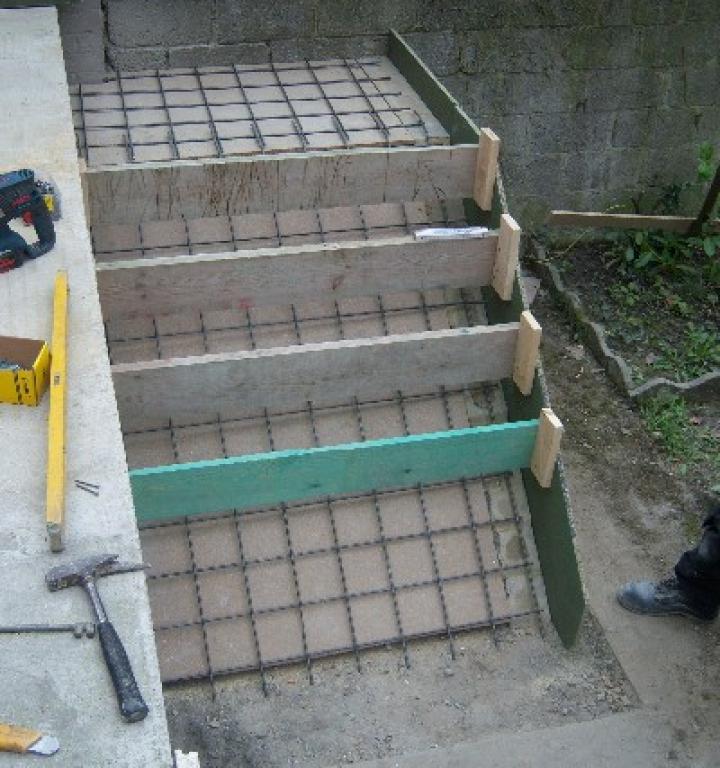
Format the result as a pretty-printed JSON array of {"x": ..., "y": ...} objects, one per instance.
[
  {"x": 291, "y": 274},
  {"x": 288, "y": 377},
  {"x": 681, "y": 224}
]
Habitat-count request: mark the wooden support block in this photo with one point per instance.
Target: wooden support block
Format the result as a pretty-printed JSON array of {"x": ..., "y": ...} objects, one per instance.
[
  {"x": 56, "y": 422},
  {"x": 268, "y": 479},
  {"x": 506, "y": 259},
  {"x": 486, "y": 168},
  {"x": 284, "y": 378},
  {"x": 526, "y": 352},
  {"x": 547, "y": 447},
  {"x": 82, "y": 167},
  {"x": 291, "y": 274}
]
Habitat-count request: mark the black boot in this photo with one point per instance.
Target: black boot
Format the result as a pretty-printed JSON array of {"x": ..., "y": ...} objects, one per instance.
[{"x": 665, "y": 598}]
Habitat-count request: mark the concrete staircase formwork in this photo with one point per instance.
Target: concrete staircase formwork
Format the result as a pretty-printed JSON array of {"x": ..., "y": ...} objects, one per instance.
[{"x": 285, "y": 348}]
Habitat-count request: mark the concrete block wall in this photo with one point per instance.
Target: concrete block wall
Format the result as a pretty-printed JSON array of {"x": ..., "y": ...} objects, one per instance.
[{"x": 593, "y": 99}]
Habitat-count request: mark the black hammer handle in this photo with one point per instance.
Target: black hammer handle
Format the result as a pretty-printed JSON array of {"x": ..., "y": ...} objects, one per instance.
[{"x": 132, "y": 706}]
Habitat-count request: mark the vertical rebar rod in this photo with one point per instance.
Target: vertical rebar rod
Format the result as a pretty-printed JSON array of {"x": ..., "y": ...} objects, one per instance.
[{"x": 171, "y": 129}]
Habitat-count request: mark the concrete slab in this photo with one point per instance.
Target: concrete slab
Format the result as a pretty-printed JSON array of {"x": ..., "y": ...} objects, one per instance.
[
  {"x": 634, "y": 738},
  {"x": 61, "y": 685}
]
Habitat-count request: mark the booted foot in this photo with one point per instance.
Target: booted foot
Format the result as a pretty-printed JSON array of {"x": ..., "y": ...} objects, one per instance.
[{"x": 663, "y": 598}]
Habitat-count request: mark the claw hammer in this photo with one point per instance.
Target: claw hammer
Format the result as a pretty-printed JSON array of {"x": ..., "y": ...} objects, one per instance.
[{"x": 83, "y": 573}]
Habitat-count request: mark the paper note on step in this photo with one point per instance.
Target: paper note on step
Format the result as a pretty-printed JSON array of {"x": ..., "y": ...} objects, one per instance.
[{"x": 450, "y": 233}]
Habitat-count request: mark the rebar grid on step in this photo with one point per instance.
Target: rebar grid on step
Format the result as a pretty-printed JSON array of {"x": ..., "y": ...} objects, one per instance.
[
  {"x": 235, "y": 241},
  {"x": 246, "y": 327},
  {"x": 345, "y": 597},
  {"x": 477, "y": 577},
  {"x": 222, "y": 111}
]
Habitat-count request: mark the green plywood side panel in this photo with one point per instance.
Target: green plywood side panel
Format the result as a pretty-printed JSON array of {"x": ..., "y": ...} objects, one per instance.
[
  {"x": 267, "y": 479},
  {"x": 549, "y": 509},
  {"x": 437, "y": 98}
]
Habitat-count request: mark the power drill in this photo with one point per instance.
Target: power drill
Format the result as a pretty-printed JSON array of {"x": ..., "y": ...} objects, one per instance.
[{"x": 22, "y": 197}]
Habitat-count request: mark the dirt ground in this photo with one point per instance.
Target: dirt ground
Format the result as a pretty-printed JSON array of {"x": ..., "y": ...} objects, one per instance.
[{"x": 632, "y": 515}]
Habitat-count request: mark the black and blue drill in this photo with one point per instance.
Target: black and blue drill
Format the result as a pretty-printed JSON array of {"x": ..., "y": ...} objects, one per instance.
[{"x": 22, "y": 197}]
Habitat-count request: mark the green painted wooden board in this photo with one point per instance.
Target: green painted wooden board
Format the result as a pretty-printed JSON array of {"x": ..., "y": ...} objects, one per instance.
[
  {"x": 446, "y": 109},
  {"x": 267, "y": 479},
  {"x": 549, "y": 512}
]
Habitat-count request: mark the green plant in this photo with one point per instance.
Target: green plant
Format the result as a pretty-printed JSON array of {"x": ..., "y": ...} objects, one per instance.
[
  {"x": 625, "y": 294},
  {"x": 669, "y": 420},
  {"x": 699, "y": 352},
  {"x": 667, "y": 252}
]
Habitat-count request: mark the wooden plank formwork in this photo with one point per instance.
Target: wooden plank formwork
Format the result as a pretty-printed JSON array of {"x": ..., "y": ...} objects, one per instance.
[
  {"x": 260, "y": 480},
  {"x": 291, "y": 274},
  {"x": 283, "y": 378}
]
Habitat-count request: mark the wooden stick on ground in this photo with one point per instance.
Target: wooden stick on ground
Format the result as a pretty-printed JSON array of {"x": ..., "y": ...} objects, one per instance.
[
  {"x": 681, "y": 224},
  {"x": 56, "y": 421}
]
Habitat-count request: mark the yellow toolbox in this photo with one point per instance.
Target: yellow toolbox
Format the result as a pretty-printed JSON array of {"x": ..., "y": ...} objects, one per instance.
[{"x": 24, "y": 370}]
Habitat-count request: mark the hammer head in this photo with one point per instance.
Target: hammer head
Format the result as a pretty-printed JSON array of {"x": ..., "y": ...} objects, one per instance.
[{"x": 78, "y": 571}]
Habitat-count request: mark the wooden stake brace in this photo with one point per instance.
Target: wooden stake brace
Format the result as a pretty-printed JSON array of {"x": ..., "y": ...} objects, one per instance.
[
  {"x": 486, "y": 168},
  {"x": 526, "y": 352},
  {"x": 547, "y": 447},
  {"x": 506, "y": 258}
]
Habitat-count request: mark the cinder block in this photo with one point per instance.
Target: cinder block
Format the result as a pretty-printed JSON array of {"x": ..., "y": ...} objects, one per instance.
[
  {"x": 346, "y": 17},
  {"x": 246, "y": 21},
  {"x": 81, "y": 29},
  {"x": 353, "y": 46},
  {"x": 213, "y": 55},
  {"x": 152, "y": 22},
  {"x": 129, "y": 59},
  {"x": 440, "y": 51}
]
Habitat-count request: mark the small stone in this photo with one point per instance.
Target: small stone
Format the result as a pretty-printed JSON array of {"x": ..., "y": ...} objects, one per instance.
[
  {"x": 448, "y": 671},
  {"x": 213, "y": 723}
]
